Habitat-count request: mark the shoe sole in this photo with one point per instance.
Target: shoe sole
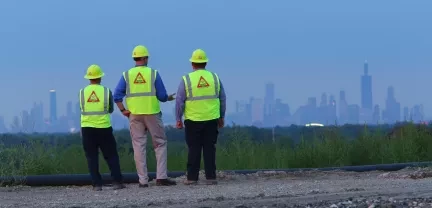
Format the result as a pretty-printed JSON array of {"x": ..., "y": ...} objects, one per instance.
[
  {"x": 166, "y": 184},
  {"x": 190, "y": 183}
]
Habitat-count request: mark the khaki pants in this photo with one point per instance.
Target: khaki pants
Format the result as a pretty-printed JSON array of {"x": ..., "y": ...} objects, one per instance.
[{"x": 139, "y": 125}]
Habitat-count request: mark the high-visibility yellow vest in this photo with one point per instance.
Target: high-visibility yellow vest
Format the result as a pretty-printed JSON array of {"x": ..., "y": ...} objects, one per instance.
[
  {"x": 94, "y": 104},
  {"x": 202, "y": 96},
  {"x": 140, "y": 90}
]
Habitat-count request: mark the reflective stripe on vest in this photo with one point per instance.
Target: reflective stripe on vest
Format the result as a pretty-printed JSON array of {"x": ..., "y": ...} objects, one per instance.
[
  {"x": 141, "y": 97},
  {"x": 105, "y": 104},
  {"x": 138, "y": 94},
  {"x": 202, "y": 102},
  {"x": 190, "y": 96}
]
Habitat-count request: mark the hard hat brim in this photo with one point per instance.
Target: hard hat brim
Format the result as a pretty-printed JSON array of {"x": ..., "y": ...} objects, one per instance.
[
  {"x": 141, "y": 56},
  {"x": 198, "y": 61},
  {"x": 94, "y": 77}
]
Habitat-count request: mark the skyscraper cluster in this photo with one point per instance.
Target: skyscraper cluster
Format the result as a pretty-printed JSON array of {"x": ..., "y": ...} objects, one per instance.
[
  {"x": 271, "y": 111},
  {"x": 261, "y": 112}
]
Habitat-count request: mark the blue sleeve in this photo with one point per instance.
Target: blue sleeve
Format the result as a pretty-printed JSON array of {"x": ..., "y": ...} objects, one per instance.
[
  {"x": 120, "y": 90},
  {"x": 111, "y": 103},
  {"x": 161, "y": 92},
  {"x": 180, "y": 101},
  {"x": 222, "y": 98}
]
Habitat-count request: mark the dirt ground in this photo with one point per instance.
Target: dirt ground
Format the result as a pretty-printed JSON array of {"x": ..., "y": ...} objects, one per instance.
[{"x": 406, "y": 188}]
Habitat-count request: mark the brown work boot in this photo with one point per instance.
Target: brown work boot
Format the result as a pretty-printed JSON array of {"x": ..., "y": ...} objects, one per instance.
[
  {"x": 211, "y": 182},
  {"x": 165, "y": 182}
]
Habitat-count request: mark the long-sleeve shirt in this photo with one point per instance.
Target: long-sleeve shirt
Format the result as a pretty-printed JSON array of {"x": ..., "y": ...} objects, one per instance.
[
  {"x": 181, "y": 99},
  {"x": 161, "y": 93},
  {"x": 111, "y": 103}
]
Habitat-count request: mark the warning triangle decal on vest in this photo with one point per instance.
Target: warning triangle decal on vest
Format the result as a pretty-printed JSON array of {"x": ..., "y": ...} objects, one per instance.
[
  {"x": 139, "y": 79},
  {"x": 93, "y": 98},
  {"x": 202, "y": 83}
]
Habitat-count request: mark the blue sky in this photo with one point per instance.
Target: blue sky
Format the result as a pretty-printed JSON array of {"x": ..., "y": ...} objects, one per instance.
[{"x": 304, "y": 47}]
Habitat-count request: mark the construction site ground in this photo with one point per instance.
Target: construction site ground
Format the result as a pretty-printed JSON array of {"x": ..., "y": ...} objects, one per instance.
[{"x": 411, "y": 187}]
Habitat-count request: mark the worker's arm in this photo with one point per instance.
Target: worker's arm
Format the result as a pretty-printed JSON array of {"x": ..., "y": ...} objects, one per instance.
[
  {"x": 222, "y": 98},
  {"x": 111, "y": 103},
  {"x": 180, "y": 101},
  {"x": 161, "y": 92},
  {"x": 120, "y": 93}
]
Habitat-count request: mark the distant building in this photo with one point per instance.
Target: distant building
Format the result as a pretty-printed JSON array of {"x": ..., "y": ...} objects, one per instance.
[
  {"x": 392, "y": 113},
  {"x": 406, "y": 115},
  {"x": 69, "y": 112},
  {"x": 366, "y": 89},
  {"x": 376, "y": 117},
  {"x": 417, "y": 114},
  {"x": 353, "y": 114},
  {"x": 343, "y": 108},
  {"x": 269, "y": 104},
  {"x": 257, "y": 114},
  {"x": 53, "y": 106}
]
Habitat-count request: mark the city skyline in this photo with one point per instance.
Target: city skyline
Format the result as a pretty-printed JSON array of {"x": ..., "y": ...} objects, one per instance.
[
  {"x": 304, "y": 49},
  {"x": 262, "y": 111}
]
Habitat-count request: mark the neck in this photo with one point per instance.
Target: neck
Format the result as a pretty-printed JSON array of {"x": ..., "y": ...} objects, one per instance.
[
  {"x": 94, "y": 82},
  {"x": 140, "y": 63}
]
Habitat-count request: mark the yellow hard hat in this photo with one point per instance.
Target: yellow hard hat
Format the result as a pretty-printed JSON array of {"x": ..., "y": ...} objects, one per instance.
[
  {"x": 199, "y": 56},
  {"x": 93, "y": 72},
  {"x": 140, "y": 51}
]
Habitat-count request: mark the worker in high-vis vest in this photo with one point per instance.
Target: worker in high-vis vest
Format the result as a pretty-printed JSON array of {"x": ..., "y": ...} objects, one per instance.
[
  {"x": 143, "y": 89},
  {"x": 96, "y": 104},
  {"x": 201, "y": 97}
]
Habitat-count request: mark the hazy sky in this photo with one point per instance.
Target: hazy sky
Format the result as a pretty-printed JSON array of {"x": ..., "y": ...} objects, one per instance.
[{"x": 304, "y": 47}]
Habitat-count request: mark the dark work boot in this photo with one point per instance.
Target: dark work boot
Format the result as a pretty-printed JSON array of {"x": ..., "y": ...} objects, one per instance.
[
  {"x": 211, "y": 182},
  {"x": 165, "y": 182},
  {"x": 97, "y": 188},
  {"x": 117, "y": 185}
]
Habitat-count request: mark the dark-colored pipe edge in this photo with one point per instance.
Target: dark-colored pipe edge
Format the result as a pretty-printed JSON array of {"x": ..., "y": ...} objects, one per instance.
[{"x": 84, "y": 179}]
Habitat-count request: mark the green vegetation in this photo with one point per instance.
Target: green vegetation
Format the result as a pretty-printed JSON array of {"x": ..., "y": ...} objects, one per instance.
[{"x": 238, "y": 148}]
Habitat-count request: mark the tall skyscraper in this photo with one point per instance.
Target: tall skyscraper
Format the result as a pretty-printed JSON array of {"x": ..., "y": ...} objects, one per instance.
[
  {"x": 269, "y": 92},
  {"x": 323, "y": 100},
  {"x": 53, "y": 106},
  {"x": 269, "y": 104},
  {"x": 392, "y": 112},
  {"x": 366, "y": 88}
]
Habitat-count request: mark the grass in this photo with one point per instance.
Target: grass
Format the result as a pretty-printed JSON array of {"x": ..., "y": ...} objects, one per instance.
[{"x": 324, "y": 150}]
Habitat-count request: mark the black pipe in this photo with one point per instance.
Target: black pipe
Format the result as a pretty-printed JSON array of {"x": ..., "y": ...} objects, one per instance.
[{"x": 84, "y": 179}]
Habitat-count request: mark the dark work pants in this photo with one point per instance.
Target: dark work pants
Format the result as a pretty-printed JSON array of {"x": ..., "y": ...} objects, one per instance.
[
  {"x": 201, "y": 136},
  {"x": 103, "y": 138}
]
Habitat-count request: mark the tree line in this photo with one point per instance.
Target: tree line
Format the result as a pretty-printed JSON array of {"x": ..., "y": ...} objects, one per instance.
[{"x": 291, "y": 134}]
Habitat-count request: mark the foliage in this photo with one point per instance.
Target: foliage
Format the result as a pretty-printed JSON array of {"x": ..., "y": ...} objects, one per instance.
[{"x": 238, "y": 148}]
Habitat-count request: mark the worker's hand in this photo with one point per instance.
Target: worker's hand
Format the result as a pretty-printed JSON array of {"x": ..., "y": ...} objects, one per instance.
[
  {"x": 179, "y": 125},
  {"x": 126, "y": 113},
  {"x": 171, "y": 97},
  {"x": 221, "y": 122}
]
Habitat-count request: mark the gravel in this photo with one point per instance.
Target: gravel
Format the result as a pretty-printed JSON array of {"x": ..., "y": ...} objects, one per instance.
[{"x": 406, "y": 188}]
